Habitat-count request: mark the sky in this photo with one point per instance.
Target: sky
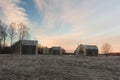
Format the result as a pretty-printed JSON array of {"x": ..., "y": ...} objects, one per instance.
[{"x": 67, "y": 23}]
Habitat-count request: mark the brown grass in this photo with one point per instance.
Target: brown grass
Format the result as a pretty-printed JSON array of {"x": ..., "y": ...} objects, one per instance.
[{"x": 55, "y": 67}]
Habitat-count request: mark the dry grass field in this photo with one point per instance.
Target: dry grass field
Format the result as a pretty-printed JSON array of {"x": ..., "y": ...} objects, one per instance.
[{"x": 55, "y": 67}]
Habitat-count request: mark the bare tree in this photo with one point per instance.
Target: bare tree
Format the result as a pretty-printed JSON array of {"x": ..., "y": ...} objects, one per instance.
[
  {"x": 23, "y": 31},
  {"x": 3, "y": 32},
  {"x": 12, "y": 32},
  {"x": 106, "y": 48},
  {"x": 1, "y": 29}
]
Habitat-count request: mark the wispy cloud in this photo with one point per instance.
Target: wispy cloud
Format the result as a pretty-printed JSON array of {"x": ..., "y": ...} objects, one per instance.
[
  {"x": 77, "y": 21},
  {"x": 10, "y": 11},
  {"x": 64, "y": 12}
]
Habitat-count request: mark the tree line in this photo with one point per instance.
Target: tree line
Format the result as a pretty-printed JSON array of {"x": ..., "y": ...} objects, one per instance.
[{"x": 12, "y": 32}]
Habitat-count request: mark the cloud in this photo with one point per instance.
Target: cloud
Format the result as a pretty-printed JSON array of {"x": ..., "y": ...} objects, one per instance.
[
  {"x": 40, "y": 4},
  {"x": 58, "y": 13},
  {"x": 77, "y": 21},
  {"x": 62, "y": 13},
  {"x": 10, "y": 11},
  {"x": 69, "y": 43}
]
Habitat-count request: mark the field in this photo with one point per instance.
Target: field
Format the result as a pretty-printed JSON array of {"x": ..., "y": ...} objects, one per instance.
[{"x": 55, "y": 67}]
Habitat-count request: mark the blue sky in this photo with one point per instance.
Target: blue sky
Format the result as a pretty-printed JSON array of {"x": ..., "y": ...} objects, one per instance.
[{"x": 67, "y": 23}]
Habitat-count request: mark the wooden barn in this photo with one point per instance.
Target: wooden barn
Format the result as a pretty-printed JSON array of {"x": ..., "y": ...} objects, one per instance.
[
  {"x": 25, "y": 47},
  {"x": 88, "y": 50}
]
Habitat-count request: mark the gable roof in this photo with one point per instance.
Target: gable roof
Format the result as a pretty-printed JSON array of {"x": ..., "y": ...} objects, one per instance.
[
  {"x": 26, "y": 42},
  {"x": 89, "y": 46}
]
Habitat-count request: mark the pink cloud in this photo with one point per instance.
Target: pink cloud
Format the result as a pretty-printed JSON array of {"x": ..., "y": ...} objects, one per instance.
[{"x": 88, "y": 25}]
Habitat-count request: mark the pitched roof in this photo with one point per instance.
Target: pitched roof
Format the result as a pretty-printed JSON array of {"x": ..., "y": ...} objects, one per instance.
[
  {"x": 26, "y": 42},
  {"x": 89, "y": 46}
]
